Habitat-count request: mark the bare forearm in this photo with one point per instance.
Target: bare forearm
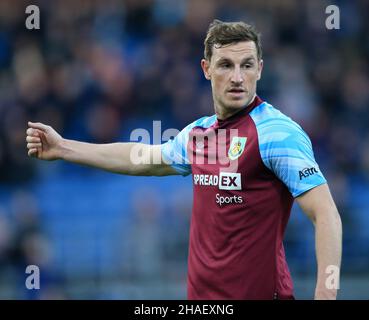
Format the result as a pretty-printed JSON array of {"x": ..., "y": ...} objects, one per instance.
[
  {"x": 113, "y": 157},
  {"x": 44, "y": 143},
  {"x": 328, "y": 239},
  {"x": 319, "y": 206}
]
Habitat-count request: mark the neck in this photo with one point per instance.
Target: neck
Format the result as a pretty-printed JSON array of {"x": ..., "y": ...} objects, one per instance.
[{"x": 223, "y": 113}]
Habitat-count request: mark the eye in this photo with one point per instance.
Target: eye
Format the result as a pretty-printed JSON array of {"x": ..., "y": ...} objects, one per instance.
[
  {"x": 225, "y": 65},
  {"x": 247, "y": 65}
]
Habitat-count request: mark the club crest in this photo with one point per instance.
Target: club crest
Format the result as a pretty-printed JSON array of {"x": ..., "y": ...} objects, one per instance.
[{"x": 236, "y": 148}]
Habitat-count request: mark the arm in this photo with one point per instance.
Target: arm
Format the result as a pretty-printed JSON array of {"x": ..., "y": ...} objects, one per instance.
[
  {"x": 43, "y": 142},
  {"x": 319, "y": 206}
]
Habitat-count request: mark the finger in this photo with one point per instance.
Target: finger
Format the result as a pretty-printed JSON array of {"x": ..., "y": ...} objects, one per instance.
[
  {"x": 38, "y": 125},
  {"x": 33, "y": 139},
  {"x": 34, "y": 145},
  {"x": 32, "y": 152},
  {"x": 33, "y": 132}
]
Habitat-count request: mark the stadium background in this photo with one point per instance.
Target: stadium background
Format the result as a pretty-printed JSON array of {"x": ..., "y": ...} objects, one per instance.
[{"x": 96, "y": 70}]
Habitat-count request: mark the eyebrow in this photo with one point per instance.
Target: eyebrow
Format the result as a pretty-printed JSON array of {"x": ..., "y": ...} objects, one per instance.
[{"x": 248, "y": 59}]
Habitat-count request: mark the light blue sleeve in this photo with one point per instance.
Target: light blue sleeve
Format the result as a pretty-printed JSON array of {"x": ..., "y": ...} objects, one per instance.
[
  {"x": 286, "y": 150},
  {"x": 174, "y": 151}
]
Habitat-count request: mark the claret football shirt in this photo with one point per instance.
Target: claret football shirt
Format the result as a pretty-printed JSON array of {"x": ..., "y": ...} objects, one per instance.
[{"x": 246, "y": 171}]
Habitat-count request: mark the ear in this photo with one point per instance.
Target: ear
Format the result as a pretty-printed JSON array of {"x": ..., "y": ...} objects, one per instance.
[
  {"x": 260, "y": 68},
  {"x": 205, "y": 65}
]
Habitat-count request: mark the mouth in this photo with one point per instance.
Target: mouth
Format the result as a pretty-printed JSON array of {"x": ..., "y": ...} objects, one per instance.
[{"x": 236, "y": 91}]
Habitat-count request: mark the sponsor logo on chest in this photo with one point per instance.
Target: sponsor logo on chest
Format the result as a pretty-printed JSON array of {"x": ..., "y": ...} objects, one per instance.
[{"x": 224, "y": 181}]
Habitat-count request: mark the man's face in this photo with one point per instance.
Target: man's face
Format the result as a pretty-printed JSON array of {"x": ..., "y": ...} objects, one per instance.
[{"x": 233, "y": 70}]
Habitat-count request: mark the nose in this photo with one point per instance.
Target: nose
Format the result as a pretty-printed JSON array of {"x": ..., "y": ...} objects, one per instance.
[{"x": 237, "y": 77}]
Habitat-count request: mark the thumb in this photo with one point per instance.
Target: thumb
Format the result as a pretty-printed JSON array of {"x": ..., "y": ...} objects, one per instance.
[{"x": 37, "y": 125}]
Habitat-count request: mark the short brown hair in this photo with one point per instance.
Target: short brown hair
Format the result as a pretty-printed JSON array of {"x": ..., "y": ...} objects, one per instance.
[{"x": 222, "y": 33}]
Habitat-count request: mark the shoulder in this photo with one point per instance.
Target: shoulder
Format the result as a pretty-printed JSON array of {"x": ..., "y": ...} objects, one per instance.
[
  {"x": 286, "y": 149},
  {"x": 204, "y": 122},
  {"x": 183, "y": 136},
  {"x": 174, "y": 151},
  {"x": 267, "y": 116},
  {"x": 274, "y": 126}
]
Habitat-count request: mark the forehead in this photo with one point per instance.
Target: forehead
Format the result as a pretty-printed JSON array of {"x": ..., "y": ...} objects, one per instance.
[{"x": 235, "y": 51}]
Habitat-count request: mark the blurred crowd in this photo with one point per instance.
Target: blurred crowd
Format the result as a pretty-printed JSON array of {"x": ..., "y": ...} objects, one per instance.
[{"x": 95, "y": 70}]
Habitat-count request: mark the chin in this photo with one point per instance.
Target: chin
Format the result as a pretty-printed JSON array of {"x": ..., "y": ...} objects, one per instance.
[{"x": 237, "y": 104}]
